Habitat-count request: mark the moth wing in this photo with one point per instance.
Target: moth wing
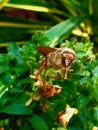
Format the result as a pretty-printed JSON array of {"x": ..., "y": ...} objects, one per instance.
[{"x": 45, "y": 50}]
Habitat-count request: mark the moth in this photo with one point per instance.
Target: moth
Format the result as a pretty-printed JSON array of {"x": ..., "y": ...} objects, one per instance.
[{"x": 60, "y": 58}]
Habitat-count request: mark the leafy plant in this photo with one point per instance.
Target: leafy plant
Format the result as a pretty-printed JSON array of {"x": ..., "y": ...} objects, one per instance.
[{"x": 22, "y": 107}]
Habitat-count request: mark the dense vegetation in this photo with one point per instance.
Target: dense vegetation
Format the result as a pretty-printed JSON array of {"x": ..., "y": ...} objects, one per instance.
[{"x": 21, "y": 107}]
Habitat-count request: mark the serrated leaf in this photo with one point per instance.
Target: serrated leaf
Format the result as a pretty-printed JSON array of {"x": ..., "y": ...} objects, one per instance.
[
  {"x": 38, "y": 123},
  {"x": 16, "y": 109}
]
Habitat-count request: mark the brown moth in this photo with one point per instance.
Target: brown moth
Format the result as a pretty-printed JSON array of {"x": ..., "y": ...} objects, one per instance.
[{"x": 60, "y": 58}]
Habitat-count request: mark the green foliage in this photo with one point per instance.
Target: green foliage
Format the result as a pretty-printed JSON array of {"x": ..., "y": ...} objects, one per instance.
[
  {"x": 38, "y": 123},
  {"x": 80, "y": 90},
  {"x": 58, "y": 30},
  {"x": 18, "y": 109}
]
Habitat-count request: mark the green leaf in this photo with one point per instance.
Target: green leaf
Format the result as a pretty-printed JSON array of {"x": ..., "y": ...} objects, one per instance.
[
  {"x": 25, "y": 126},
  {"x": 34, "y": 5},
  {"x": 86, "y": 81},
  {"x": 38, "y": 123},
  {"x": 83, "y": 119},
  {"x": 61, "y": 128},
  {"x": 96, "y": 113},
  {"x": 82, "y": 101},
  {"x": 96, "y": 92},
  {"x": 95, "y": 71},
  {"x": 4, "y": 99},
  {"x": 14, "y": 53},
  {"x": 74, "y": 128},
  {"x": 13, "y": 48},
  {"x": 81, "y": 54},
  {"x": 64, "y": 28},
  {"x": 15, "y": 90},
  {"x": 16, "y": 109},
  {"x": 3, "y": 88},
  {"x": 3, "y": 63}
]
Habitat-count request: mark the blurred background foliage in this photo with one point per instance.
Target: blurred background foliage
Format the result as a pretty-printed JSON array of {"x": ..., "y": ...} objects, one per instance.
[{"x": 20, "y": 19}]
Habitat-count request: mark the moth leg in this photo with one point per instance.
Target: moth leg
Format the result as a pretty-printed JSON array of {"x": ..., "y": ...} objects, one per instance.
[
  {"x": 65, "y": 73},
  {"x": 45, "y": 72},
  {"x": 40, "y": 69},
  {"x": 59, "y": 72},
  {"x": 45, "y": 67}
]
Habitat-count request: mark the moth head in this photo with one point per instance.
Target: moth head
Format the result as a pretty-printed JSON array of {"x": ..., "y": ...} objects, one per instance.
[{"x": 68, "y": 56}]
